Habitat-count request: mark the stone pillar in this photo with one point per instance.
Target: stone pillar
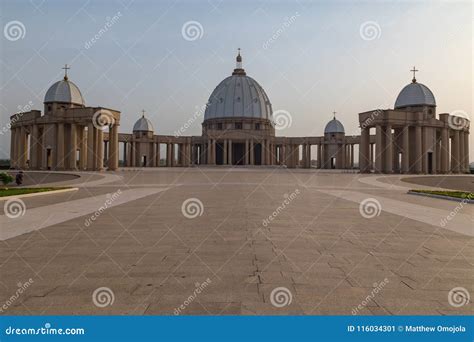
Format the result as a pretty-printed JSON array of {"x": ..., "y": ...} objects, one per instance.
[
  {"x": 252, "y": 152},
  {"x": 73, "y": 145},
  {"x": 60, "y": 147},
  {"x": 224, "y": 161},
  {"x": 406, "y": 149},
  {"x": 90, "y": 146},
  {"x": 44, "y": 153},
  {"x": 378, "y": 149},
  {"x": 172, "y": 155},
  {"x": 100, "y": 150},
  {"x": 34, "y": 147},
  {"x": 388, "y": 149},
  {"x": 455, "y": 152},
  {"x": 364, "y": 150},
  {"x": 461, "y": 152},
  {"x": 247, "y": 152},
  {"x": 466, "y": 152},
  {"x": 158, "y": 152},
  {"x": 82, "y": 147},
  {"x": 418, "y": 149},
  {"x": 230, "y": 156},
  {"x": 12, "y": 148},
  {"x": 113, "y": 148}
]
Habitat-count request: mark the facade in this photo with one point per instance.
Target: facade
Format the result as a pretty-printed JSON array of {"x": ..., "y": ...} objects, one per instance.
[{"x": 239, "y": 129}]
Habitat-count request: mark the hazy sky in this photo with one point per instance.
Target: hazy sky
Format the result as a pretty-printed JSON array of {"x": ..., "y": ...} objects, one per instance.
[{"x": 311, "y": 57}]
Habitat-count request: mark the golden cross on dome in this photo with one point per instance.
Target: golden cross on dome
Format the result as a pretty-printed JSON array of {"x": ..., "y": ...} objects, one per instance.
[
  {"x": 66, "y": 68},
  {"x": 414, "y": 70}
]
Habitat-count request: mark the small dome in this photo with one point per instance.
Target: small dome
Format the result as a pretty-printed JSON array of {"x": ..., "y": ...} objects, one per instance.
[
  {"x": 64, "y": 91},
  {"x": 334, "y": 126},
  {"x": 238, "y": 96},
  {"x": 415, "y": 94},
  {"x": 143, "y": 125}
]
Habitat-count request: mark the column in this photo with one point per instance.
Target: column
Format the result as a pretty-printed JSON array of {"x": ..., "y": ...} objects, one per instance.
[
  {"x": 44, "y": 151},
  {"x": 252, "y": 153},
  {"x": 461, "y": 152},
  {"x": 418, "y": 150},
  {"x": 466, "y": 152},
  {"x": 406, "y": 149},
  {"x": 113, "y": 148},
  {"x": 158, "y": 148},
  {"x": 100, "y": 150},
  {"x": 247, "y": 152},
  {"x": 263, "y": 152},
  {"x": 455, "y": 152},
  {"x": 90, "y": 146},
  {"x": 60, "y": 147},
  {"x": 364, "y": 150},
  {"x": 73, "y": 144},
  {"x": 133, "y": 153},
  {"x": 388, "y": 149},
  {"x": 34, "y": 147},
  {"x": 230, "y": 155},
  {"x": 225, "y": 153},
  {"x": 82, "y": 148},
  {"x": 378, "y": 149}
]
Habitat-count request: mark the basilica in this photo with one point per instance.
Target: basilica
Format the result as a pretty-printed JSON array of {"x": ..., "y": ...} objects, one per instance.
[{"x": 239, "y": 129}]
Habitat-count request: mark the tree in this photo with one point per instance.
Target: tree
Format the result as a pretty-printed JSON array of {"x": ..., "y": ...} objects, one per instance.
[{"x": 5, "y": 178}]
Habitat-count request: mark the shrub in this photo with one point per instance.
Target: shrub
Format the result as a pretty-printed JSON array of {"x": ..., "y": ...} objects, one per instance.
[{"x": 5, "y": 178}]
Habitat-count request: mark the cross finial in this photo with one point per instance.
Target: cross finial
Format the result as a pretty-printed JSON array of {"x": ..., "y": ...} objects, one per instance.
[
  {"x": 334, "y": 113},
  {"x": 66, "y": 68},
  {"x": 414, "y": 70},
  {"x": 143, "y": 113}
]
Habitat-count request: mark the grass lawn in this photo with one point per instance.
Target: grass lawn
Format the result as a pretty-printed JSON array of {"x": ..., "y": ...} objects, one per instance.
[
  {"x": 21, "y": 191},
  {"x": 455, "y": 194}
]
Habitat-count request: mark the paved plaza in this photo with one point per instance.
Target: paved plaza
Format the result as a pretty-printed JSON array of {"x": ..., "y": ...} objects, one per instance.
[{"x": 238, "y": 241}]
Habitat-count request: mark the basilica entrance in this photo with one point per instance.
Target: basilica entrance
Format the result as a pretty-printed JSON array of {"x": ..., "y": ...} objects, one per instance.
[{"x": 238, "y": 153}]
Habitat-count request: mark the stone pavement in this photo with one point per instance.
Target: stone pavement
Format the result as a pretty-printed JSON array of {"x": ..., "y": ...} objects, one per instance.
[{"x": 238, "y": 241}]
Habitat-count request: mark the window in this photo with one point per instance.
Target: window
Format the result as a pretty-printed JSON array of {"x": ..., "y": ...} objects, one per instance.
[
  {"x": 257, "y": 126},
  {"x": 238, "y": 125}
]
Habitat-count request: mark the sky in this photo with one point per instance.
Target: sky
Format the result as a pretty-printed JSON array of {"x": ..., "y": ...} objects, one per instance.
[{"x": 166, "y": 57}]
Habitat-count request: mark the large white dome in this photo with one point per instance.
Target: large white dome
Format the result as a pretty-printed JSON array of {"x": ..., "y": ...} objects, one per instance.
[
  {"x": 415, "y": 94},
  {"x": 238, "y": 96},
  {"x": 64, "y": 91}
]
